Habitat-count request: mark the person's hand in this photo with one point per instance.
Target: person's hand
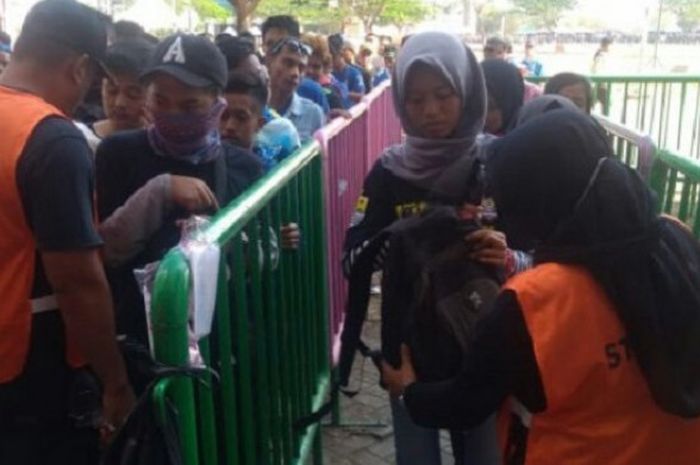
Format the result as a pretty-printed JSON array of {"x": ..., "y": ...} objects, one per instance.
[
  {"x": 291, "y": 236},
  {"x": 488, "y": 247},
  {"x": 339, "y": 113},
  {"x": 117, "y": 404},
  {"x": 469, "y": 212},
  {"x": 397, "y": 380},
  {"x": 192, "y": 194}
]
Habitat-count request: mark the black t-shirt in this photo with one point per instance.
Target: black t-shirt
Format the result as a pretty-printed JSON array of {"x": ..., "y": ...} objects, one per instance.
[
  {"x": 125, "y": 163},
  {"x": 55, "y": 178},
  {"x": 385, "y": 199}
]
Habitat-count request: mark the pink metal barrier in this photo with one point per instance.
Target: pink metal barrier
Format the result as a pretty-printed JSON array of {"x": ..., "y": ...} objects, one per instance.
[{"x": 350, "y": 147}]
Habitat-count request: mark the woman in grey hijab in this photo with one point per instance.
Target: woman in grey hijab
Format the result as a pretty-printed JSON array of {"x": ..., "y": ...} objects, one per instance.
[
  {"x": 440, "y": 96},
  {"x": 423, "y": 158}
]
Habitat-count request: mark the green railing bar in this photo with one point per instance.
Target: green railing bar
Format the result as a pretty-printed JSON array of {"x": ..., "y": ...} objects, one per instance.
[
  {"x": 319, "y": 399},
  {"x": 281, "y": 316},
  {"x": 228, "y": 391},
  {"x": 207, "y": 423},
  {"x": 694, "y": 146},
  {"x": 260, "y": 371},
  {"x": 624, "y": 103},
  {"x": 269, "y": 304},
  {"x": 231, "y": 220},
  {"x": 683, "y": 209},
  {"x": 244, "y": 373},
  {"x": 689, "y": 166},
  {"x": 169, "y": 315},
  {"x": 684, "y": 91},
  {"x": 160, "y": 396}
]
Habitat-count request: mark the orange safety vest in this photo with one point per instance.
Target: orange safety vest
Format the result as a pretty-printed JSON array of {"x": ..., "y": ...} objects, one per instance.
[
  {"x": 599, "y": 408},
  {"x": 20, "y": 113}
]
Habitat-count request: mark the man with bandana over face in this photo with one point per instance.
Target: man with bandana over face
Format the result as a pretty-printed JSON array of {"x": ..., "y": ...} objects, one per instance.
[{"x": 185, "y": 81}]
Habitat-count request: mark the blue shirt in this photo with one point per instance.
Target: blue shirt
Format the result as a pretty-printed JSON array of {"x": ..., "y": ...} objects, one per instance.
[
  {"x": 351, "y": 77},
  {"x": 380, "y": 77},
  {"x": 306, "y": 116},
  {"x": 312, "y": 90},
  {"x": 533, "y": 66},
  {"x": 276, "y": 141}
]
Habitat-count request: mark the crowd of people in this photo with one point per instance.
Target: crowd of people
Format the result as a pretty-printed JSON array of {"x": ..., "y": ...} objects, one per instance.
[{"x": 113, "y": 137}]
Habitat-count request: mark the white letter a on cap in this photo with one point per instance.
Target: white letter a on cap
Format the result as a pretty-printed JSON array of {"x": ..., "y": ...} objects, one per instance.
[{"x": 175, "y": 53}]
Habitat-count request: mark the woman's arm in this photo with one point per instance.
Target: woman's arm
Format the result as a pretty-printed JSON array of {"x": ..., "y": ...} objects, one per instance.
[
  {"x": 501, "y": 363},
  {"x": 374, "y": 212}
]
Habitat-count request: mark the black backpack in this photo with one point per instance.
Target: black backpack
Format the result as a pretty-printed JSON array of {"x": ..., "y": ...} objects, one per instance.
[
  {"x": 432, "y": 296},
  {"x": 432, "y": 293},
  {"x": 144, "y": 439}
]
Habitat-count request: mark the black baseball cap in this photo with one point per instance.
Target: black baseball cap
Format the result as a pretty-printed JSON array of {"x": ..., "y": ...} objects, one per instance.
[
  {"x": 72, "y": 24},
  {"x": 192, "y": 60},
  {"x": 130, "y": 56}
]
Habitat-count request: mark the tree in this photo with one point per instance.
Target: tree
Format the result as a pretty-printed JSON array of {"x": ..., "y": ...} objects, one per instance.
[
  {"x": 544, "y": 13},
  {"x": 308, "y": 12},
  {"x": 401, "y": 13},
  {"x": 687, "y": 13}
]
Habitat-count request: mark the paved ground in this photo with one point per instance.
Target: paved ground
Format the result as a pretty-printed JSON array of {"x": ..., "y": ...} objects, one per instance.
[{"x": 364, "y": 445}]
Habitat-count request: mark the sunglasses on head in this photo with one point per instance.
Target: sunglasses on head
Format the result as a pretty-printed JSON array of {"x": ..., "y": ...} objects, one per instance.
[{"x": 293, "y": 44}]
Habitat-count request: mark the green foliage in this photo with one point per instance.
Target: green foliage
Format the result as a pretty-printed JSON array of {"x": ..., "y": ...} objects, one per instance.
[
  {"x": 401, "y": 13},
  {"x": 308, "y": 12},
  {"x": 544, "y": 13},
  {"x": 687, "y": 12},
  {"x": 209, "y": 9},
  {"x": 371, "y": 12}
]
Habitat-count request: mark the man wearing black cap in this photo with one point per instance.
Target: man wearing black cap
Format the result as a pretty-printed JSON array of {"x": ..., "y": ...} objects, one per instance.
[
  {"x": 56, "y": 316},
  {"x": 185, "y": 80}
]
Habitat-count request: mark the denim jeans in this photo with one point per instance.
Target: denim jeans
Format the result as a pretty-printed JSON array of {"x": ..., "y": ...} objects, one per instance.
[{"x": 416, "y": 445}]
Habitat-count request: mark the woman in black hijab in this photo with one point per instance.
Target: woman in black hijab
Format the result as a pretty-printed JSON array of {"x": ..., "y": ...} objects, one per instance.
[
  {"x": 506, "y": 90},
  {"x": 593, "y": 219}
]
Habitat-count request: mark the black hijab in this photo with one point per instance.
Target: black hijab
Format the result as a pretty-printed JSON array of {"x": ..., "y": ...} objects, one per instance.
[
  {"x": 555, "y": 185},
  {"x": 506, "y": 87}
]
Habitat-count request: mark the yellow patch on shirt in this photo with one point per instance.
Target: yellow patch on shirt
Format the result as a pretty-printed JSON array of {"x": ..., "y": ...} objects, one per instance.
[
  {"x": 362, "y": 203},
  {"x": 407, "y": 210}
]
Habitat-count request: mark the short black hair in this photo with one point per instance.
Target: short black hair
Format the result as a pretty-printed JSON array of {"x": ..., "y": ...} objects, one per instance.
[
  {"x": 124, "y": 30},
  {"x": 248, "y": 84},
  {"x": 235, "y": 50},
  {"x": 607, "y": 40},
  {"x": 221, "y": 37},
  {"x": 496, "y": 41},
  {"x": 561, "y": 80},
  {"x": 286, "y": 22},
  {"x": 247, "y": 35}
]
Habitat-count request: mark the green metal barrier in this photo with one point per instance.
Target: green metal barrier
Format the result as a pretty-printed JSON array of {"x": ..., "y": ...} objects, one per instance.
[
  {"x": 269, "y": 341},
  {"x": 675, "y": 179},
  {"x": 665, "y": 107}
]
